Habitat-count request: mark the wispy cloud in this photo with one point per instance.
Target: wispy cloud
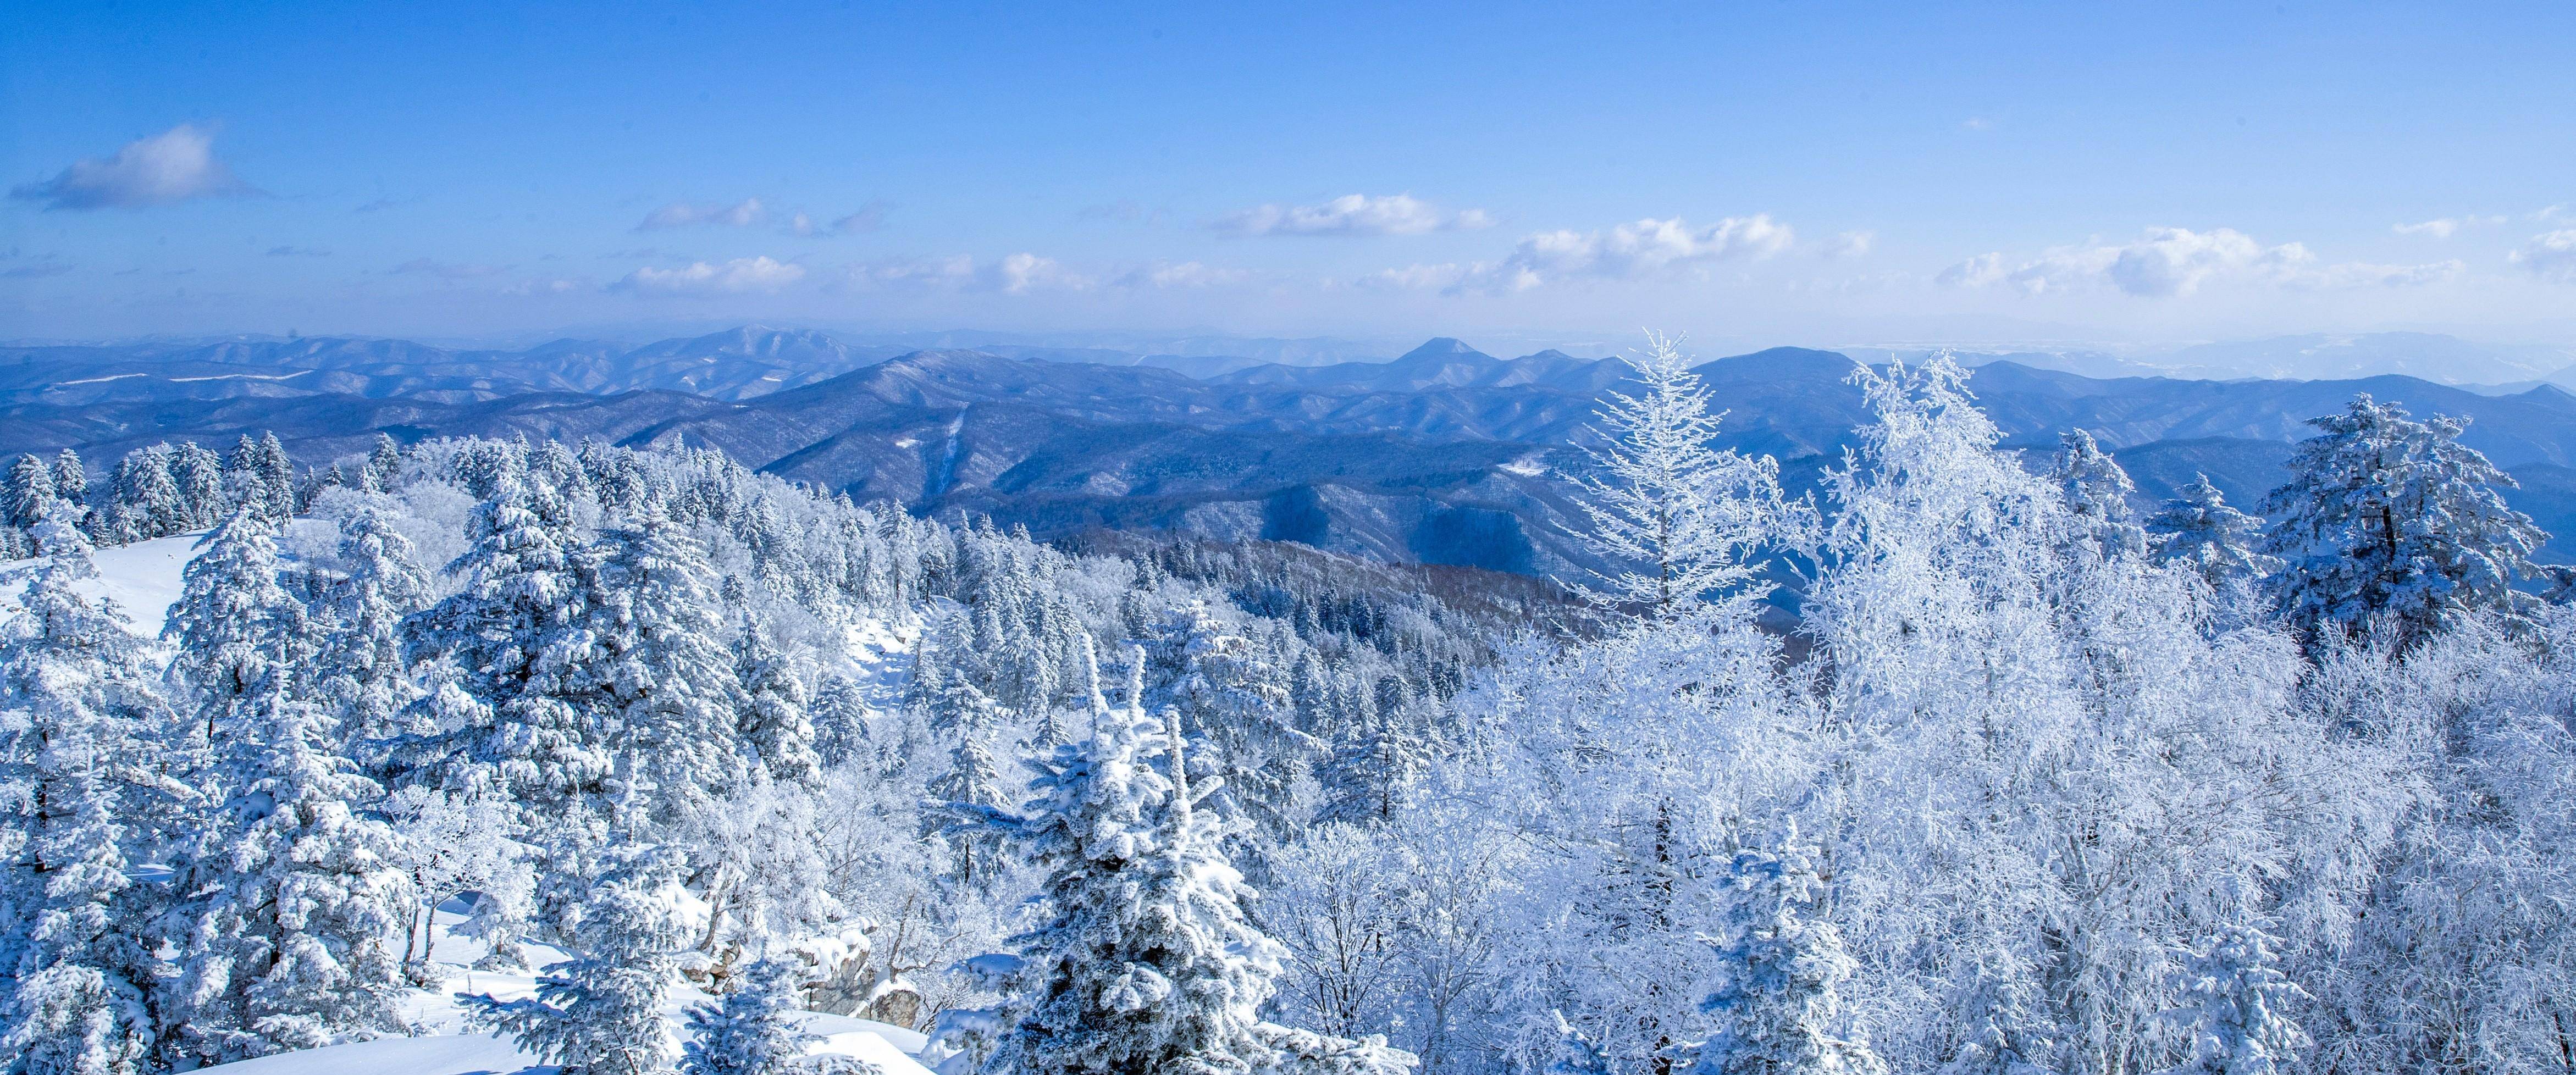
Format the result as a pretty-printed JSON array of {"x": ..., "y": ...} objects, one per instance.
[
  {"x": 1851, "y": 244},
  {"x": 700, "y": 279},
  {"x": 1351, "y": 214},
  {"x": 173, "y": 166},
  {"x": 297, "y": 252},
  {"x": 2549, "y": 256},
  {"x": 869, "y": 217},
  {"x": 448, "y": 270},
  {"x": 2444, "y": 227},
  {"x": 741, "y": 214},
  {"x": 40, "y": 269},
  {"x": 2171, "y": 262}
]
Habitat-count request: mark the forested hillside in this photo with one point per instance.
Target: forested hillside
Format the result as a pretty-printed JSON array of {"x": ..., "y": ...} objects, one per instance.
[{"x": 2037, "y": 781}]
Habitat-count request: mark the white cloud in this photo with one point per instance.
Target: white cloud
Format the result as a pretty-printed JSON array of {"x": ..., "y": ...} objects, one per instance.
[
  {"x": 1183, "y": 274},
  {"x": 1352, "y": 214},
  {"x": 1420, "y": 277},
  {"x": 742, "y": 214},
  {"x": 2170, "y": 262},
  {"x": 869, "y": 217},
  {"x": 700, "y": 278},
  {"x": 1015, "y": 274},
  {"x": 1644, "y": 248},
  {"x": 2549, "y": 256},
  {"x": 1851, "y": 244},
  {"x": 447, "y": 270},
  {"x": 554, "y": 286},
  {"x": 1977, "y": 123},
  {"x": 2445, "y": 227},
  {"x": 172, "y": 166}
]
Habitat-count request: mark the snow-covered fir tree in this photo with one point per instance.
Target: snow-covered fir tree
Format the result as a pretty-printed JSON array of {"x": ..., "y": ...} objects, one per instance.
[
  {"x": 1777, "y": 1008},
  {"x": 2388, "y": 516},
  {"x": 2198, "y": 530},
  {"x": 235, "y": 625},
  {"x": 600, "y": 1012},
  {"x": 2236, "y": 1005},
  {"x": 77, "y": 701},
  {"x": 380, "y": 582},
  {"x": 293, "y": 896},
  {"x": 2097, "y": 493},
  {"x": 1146, "y": 960},
  {"x": 1676, "y": 517},
  {"x": 752, "y": 1030}
]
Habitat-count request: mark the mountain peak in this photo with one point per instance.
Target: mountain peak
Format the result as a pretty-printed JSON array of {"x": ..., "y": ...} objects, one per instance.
[{"x": 1443, "y": 347}]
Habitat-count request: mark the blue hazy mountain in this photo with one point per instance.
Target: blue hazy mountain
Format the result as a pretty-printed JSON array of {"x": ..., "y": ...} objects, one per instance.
[{"x": 1444, "y": 454}]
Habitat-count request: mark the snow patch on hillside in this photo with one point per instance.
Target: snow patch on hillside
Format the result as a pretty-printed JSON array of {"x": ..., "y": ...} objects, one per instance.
[{"x": 142, "y": 578}]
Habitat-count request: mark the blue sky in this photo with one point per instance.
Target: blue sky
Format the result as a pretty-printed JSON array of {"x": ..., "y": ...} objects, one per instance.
[{"x": 1764, "y": 172}]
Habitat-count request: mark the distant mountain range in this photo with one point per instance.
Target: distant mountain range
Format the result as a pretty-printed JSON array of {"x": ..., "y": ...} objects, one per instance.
[{"x": 1443, "y": 454}]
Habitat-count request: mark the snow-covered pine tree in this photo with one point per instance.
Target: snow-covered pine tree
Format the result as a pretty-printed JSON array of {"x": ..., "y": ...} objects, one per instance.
[
  {"x": 2097, "y": 494},
  {"x": 71, "y": 483},
  {"x": 494, "y": 722},
  {"x": 751, "y": 1031},
  {"x": 1777, "y": 1007},
  {"x": 2386, "y": 515},
  {"x": 2198, "y": 530},
  {"x": 363, "y": 672},
  {"x": 600, "y": 1012},
  {"x": 262, "y": 477},
  {"x": 384, "y": 466},
  {"x": 1233, "y": 707},
  {"x": 2236, "y": 1005},
  {"x": 77, "y": 952},
  {"x": 777, "y": 723},
  {"x": 1146, "y": 960},
  {"x": 973, "y": 784},
  {"x": 293, "y": 896},
  {"x": 1677, "y": 518},
  {"x": 197, "y": 473},
  {"x": 26, "y": 492},
  {"x": 143, "y": 500},
  {"x": 655, "y": 672},
  {"x": 234, "y": 622}
]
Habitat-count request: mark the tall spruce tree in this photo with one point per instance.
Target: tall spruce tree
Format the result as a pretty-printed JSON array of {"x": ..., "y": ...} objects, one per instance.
[
  {"x": 364, "y": 674},
  {"x": 750, "y": 1031},
  {"x": 1675, "y": 518},
  {"x": 2198, "y": 530},
  {"x": 2236, "y": 1004},
  {"x": 294, "y": 895},
  {"x": 234, "y": 623},
  {"x": 78, "y": 948},
  {"x": 1777, "y": 1007},
  {"x": 2388, "y": 516},
  {"x": 600, "y": 1012},
  {"x": 1146, "y": 960}
]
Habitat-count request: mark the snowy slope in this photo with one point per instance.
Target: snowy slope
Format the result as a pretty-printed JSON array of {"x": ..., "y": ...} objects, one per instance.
[
  {"x": 142, "y": 578},
  {"x": 445, "y": 1046}
]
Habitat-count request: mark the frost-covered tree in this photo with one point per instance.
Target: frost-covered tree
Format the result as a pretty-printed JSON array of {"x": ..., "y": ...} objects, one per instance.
[
  {"x": 364, "y": 675},
  {"x": 2097, "y": 494},
  {"x": 293, "y": 897},
  {"x": 2196, "y": 529},
  {"x": 1678, "y": 518},
  {"x": 234, "y": 625},
  {"x": 2388, "y": 516},
  {"x": 262, "y": 477},
  {"x": 777, "y": 723},
  {"x": 1146, "y": 960},
  {"x": 495, "y": 721},
  {"x": 600, "y": 1012},
  {"x": 1777, "y": 1008},
  {"x": 752, "y": 1030},
  {"x": 26, "y": 492},
  {"x": 71, "y": 483},
  {"x": 76, "y": 945},
  {"x": 1233, "y": 707},
  {"x": 2236, "y": 1005},
  {"x": 655, "y": 673},
  {"x": 144, "y": 501},
  {"x": 449, "y": 845}
]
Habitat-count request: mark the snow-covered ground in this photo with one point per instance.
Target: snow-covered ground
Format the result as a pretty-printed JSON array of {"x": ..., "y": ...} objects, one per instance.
[
  {"x": 142, "y": 578},
  {"x": 445, "y": 1046}
]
